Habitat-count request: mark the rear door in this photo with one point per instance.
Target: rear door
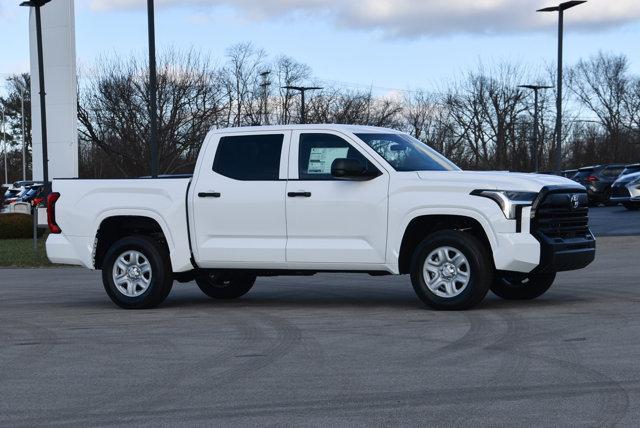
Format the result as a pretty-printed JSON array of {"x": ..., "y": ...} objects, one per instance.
[
  {"x": 239, "y": 200},
  {"x": 328, "y": 220}
]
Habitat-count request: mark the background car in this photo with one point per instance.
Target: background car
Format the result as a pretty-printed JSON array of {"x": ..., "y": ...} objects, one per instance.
[
  {"x": 32, "y": 193},
  {"x": 598, "y": 181},
  {"x": 18, "y": 191},
  {"x": 634, "y": 190},
  {"x": 569, "y": 173},
  {"x": 620, "y": 193},
  {"x": 630, "y": 169}
]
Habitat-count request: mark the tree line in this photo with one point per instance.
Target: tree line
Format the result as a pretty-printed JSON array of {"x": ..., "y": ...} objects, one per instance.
[{"x": 482, "y": 120}]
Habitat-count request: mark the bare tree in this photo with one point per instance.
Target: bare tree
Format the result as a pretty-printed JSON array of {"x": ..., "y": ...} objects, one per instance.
[
  {"x": 114, "y": 119},
  {"x": 601, "y": 84},
  {"x": 289, "y": 72},
  {"x": 242, "y": 76}
]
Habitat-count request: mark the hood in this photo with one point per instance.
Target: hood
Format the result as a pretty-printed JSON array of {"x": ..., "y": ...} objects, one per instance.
[
  {"x": 625, "y": 179},
  {"x": 496, "y": 180}
]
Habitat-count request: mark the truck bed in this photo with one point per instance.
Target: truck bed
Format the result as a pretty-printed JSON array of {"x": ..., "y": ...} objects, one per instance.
[{"x": 84, "y": 204}]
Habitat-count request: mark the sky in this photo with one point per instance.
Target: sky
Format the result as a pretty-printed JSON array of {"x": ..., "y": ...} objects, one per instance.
[{"x": 385, "y": 44}]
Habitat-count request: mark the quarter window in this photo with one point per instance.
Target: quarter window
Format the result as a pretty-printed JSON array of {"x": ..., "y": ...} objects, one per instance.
[
  {"x": 317, "y": 153},
  {"x": 249, "y": 157}
]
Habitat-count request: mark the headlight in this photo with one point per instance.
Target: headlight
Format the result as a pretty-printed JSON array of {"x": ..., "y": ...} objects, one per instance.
[{"x": 508, "y": 200}]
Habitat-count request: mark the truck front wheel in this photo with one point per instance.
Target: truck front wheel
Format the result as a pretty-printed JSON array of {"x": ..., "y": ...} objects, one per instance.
[
  {"x": 225, "y": 285},
  {"x": 136, "y": 273},
  {"x": 450, "y": 270},
  {"x": 516, "y": 286}
]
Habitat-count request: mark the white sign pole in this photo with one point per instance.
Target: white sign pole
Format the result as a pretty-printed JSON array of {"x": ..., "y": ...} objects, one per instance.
[{"x": 59, "y": 46}]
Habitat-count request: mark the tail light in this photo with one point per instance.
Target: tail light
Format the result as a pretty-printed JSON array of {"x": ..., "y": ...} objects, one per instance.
[
  {"x": 592, "y": 179},
  {"x": 51, "y": 212}
]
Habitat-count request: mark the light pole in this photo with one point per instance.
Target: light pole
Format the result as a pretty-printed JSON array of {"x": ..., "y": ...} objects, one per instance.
[
  {"x": 303, "y": 90},
  {"x": 265, "y": 93},
  {"x": 4, "y": 146},
  {"x": 536, "y": 143},
  {"x": 37, "y": 4},
  {"x": 153, "y": 89},
  {"x": 22, "y": 90},
  {"x": 560, "y": 9}
]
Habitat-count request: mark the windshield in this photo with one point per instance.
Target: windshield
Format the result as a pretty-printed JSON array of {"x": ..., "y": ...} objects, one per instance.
[
  {"x": 630, "y": 170},
  {"x": 405, "y": 153}
]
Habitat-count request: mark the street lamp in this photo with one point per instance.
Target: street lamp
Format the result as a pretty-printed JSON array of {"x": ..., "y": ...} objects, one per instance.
[
  {"x": 303, "y": 90},
  {"x": 22, "y": 90},
  {"x": 536, "y": 144},
  {"x": 37, "y": 4},
  {"x": 560, "y": 9},
  {"x": 4, "y": 146},
  {"x": 265, "y": 94},
  {"x": 153, "y": 89}
]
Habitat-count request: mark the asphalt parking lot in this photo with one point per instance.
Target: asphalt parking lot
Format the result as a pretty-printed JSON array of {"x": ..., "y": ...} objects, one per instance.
[
  {"x": 326, "y": 350},
  {"x": 614, "y": 221}
]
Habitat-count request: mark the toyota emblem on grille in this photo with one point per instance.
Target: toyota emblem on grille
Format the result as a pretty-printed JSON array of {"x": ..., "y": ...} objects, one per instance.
[{"x": 575, "y": 201}]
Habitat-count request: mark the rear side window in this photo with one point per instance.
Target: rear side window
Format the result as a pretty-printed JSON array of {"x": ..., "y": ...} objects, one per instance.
[
  {"x": 612, "y": 172},
  {"x": 249, "y": 157}
]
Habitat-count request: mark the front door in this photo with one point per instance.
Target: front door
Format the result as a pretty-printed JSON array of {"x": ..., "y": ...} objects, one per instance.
[
  {"x": 328, "y": 220},
  {"x": 239, "y": 201}
]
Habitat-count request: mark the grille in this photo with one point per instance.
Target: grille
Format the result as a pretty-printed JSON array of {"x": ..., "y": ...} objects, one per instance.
[
  {"x": 557, "y": 217},
  {"x": 620, "y": 192}
]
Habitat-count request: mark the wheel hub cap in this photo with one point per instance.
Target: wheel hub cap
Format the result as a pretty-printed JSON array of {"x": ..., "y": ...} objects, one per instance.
[
  {"x": 446, "y": 272},
  {"x": 132, "y": 273}
]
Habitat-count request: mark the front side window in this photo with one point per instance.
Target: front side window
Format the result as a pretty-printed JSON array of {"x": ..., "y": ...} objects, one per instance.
[
  {"x": 249, "y": 157},
  {"x": 405, "y": 153},
  {"x": 317, "y": 153}
]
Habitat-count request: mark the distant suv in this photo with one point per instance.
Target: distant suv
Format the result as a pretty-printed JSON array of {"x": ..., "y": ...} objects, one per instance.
[
  {"x": 598, "y": 180},
  {"x": 621, "y": 190}
]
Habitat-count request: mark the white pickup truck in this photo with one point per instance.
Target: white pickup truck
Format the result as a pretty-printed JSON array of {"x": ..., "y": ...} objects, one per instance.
[{"x": 297, "y": 200}]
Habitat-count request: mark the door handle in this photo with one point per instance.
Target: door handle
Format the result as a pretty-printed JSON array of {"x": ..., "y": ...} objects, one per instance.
[
  {"x": 299, "y": 194},
  {"x": 209, "y": 195}
]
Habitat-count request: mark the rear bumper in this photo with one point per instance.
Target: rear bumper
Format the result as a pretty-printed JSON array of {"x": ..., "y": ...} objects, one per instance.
[{"x": 68, "y": 250}]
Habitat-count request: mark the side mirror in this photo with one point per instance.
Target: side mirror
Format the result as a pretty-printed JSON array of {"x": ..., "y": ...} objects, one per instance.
[{"x": 351, "y": 169}]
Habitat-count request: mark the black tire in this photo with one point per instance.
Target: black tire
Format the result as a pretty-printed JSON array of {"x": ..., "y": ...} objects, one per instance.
[
  {"x": 632, "y": 206},
  {"x": 480, "y": 269},
  {"x": 516, "y": 286},
  {"x": 160, "y": 279},
  {"x": 225, "y": 286},
  {"x": 606, "y": 198}
]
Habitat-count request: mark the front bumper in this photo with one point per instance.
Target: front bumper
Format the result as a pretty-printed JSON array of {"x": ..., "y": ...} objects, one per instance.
[
  {"x": 560, "y": 223},
  {"x": 620, "y": 193},
  {"x": 559, "y": 255},
  {"x": 634, "y": 192}
]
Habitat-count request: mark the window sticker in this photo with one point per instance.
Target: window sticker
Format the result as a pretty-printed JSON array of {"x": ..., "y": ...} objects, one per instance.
[{"x": 321, "y": 159}]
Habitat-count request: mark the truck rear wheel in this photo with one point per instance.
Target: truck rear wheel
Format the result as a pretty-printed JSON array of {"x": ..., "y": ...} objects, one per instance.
[
  {"x": 225, "y": 285},
  {"x": 136, "y": 273},
  {"x": 516, "y": 286},
  {"x": 450, "y": 270}
]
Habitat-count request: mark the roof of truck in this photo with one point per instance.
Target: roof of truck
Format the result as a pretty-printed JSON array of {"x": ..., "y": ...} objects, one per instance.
[{"x": 308, "y": 127}]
